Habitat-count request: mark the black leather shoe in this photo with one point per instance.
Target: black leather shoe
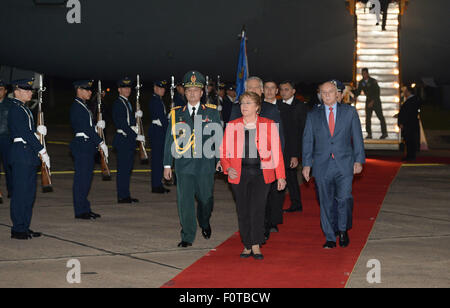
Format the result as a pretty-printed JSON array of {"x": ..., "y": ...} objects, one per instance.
[
  {"x": 184, "y": 244},
  {"x": 266, "y": 236},
  {"x": 33, "y": 234},
  {"x": 20, "y": 235},
  {"x": 160, "y": 190},
  {"x": 258, "y": 256},
  {"x": 293, "y": 209},
  {"x": 128, "y": 200},
  {"x": 246, "y": 255},
  {"x": 384, "y": 136},
  {"x": 329, "y": 245},
  {"x": 343, "y": 239},
  {"x": 369, "y": 137},
  {"x": 274, "y": 229},
  {"x": 85, "y": 216},
  {"x": 95, "y": 215},
  {"x": 206, "y": 233}
]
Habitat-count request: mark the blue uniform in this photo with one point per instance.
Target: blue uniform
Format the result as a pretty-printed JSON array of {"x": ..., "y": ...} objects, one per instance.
[
  {"x": 124, "y": 143},
  {"x": 5, "y": 140},
  {"x": 83, "y": 146},
  {"x": 24, "y": 158},
  {"x": 157, "y": 133}
]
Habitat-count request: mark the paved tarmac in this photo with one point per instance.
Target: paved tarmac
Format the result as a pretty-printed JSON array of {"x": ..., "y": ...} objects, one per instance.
[{"x": 136, "y": 245}]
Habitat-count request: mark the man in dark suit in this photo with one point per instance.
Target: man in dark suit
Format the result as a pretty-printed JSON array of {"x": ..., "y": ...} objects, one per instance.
[
  {"x": 268, "y": 110},
  {"x": 293, "y": 116},
  {"x": 408, "y": 122},
  {"x": 228, "y": 102},
  {"x": 333, "y": 148}
]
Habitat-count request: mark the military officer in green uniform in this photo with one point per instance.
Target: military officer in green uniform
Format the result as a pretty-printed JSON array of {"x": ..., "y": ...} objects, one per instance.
[{"x": 188, "y": 145}]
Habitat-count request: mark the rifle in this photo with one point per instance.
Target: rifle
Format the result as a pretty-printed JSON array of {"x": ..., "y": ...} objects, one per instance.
[
  {"x": 45, "y": 172},
  {"x": 106, "y": 174},
  {"x": 141, "y": 145},
  {"x": 207, "y": 101},
  {"x": 172, "y": 92}
]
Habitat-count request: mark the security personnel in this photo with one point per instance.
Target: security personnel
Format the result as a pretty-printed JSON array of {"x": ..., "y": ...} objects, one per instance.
[
  {"x": 156, "y": 133},
  {"x": 373, "y": 103},
  {"x": 125, "y": 139},
  {"x": 5, "y": 138},
  {"x": 84, "y": 146},
  {"x": 24, "y": 159},
  {"x": 195, "y": 171},
  {"x": 179, "y": 99}
]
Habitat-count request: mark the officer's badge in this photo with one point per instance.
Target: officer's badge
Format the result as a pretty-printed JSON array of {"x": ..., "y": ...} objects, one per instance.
[
  {"x": 127, "y": 82},
  {"x": 193, "y": 79},
  {"x": 90, "y": 83},
  {"x": 30, "y": 83}
]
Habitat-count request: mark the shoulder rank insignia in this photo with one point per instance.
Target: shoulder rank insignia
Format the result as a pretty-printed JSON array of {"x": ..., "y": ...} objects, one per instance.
[{"x": 212, "y": 106}]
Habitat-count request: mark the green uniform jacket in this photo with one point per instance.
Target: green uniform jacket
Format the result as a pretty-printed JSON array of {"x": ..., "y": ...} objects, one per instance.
[
  {"x": 370, "y": 88},
  {"x": 193, "y": 161}
]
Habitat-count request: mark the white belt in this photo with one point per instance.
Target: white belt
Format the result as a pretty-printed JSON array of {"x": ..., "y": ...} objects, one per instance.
[
  {"x": 157, "y": 122},
  {"x": 82, "y": 135},
  {"x": 20, "y": 140},
  {"x": 120, "y": 131}
]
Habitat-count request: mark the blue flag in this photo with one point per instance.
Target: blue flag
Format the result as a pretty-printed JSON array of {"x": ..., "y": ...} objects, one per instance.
[{"x": 242, "y": 71}]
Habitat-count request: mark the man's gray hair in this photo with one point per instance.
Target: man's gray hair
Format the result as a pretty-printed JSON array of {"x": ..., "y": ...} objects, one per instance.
[{"x": 257, "y": 79}]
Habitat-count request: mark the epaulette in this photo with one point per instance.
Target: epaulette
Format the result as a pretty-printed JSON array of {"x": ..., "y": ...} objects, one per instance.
[
  {"x": 175, "y": 108},
  {"x": 212, "y": 106}
]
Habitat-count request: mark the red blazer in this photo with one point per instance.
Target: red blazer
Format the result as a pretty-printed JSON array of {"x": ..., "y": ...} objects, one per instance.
[{"x": 268, "y": 145}]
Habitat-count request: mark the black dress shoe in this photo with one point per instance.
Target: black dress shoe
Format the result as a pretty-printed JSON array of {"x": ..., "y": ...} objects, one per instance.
[
  {"x": 128, "y": 200},
  {"x": 343, "y": 239},
  {"x": 206, "y": 233},
  {"x": 369, "y": 137},
  {"x": 95, "y": 215},
  {"x": 85, "y": 216},
  {"x": 258, "y": 256},
  {"x": 329, "y": 245},
  {"x": 33, "y": 234},
  {"x": 274, "y": 229},
  {"x": 293, "y": 209},
  {"x": 184, "y": 244},
  {"x": 160, "y": 190},
  {"x": 20, "y": 235},
  {"x": 384, "y": 136},
  {"x": 246, "y": 255}
]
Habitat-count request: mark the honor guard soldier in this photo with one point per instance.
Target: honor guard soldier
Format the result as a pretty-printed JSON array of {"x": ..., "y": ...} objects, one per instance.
[
  {"x": 156, "y": 133},
  {"x": 179, "y": 99},
  {"x": 24, "y": 159},
  {"x": 125, "y": 139},
  {"x": 195, "y": 172},
  {"x": 5, "y": 138},
  {"x": 84, "y": 146}
]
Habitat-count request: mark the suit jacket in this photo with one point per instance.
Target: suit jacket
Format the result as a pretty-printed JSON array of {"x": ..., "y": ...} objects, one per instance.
[
  {"x": 293, "y": 118},
  {"x": 271, "y": 155},
  {"x": 226, "y": 109},
  {"x": 21, "y": 125},
  {"x": 192, "y": 165},
  {"x": 123, "y": 118},
  {"x": 346, "y": 144},
  {"x": 408, "y": 117},
  {"x": 82, "y": 121},
  {"x": 268, "y": 111}
]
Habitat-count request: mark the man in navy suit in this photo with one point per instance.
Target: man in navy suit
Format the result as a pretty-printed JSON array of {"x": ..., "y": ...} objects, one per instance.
[
  {"x": 84, "y": 145},
  {"x": 24, "y": 158},
  {"x": 333, "y": 148},
  {"x": 157, "y": 135},
  {"x": 125, "y": 139}
]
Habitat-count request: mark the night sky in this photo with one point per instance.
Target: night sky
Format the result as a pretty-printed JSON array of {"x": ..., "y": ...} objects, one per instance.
[{"x": 302, "y": 40}]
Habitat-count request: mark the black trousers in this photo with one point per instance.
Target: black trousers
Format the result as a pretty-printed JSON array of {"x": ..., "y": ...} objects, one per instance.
[
  {"x": 251, "y": 198},
  {"x": 379, "y": 112}
]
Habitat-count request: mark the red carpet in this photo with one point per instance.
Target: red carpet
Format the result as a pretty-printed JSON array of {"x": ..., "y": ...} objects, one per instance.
[{"x": 294, "y": 257}]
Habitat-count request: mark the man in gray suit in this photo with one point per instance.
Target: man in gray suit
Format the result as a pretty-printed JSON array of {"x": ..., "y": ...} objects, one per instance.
[{"x": 333, "y": 148}]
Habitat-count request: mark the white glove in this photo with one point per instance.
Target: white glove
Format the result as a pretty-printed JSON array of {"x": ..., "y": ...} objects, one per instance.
[
  {"x": 45, "y": 158},
  {"x": 42, "y": 130},
  {"x": 140, "y": 138},
  {"x": 135, "y": 129},
  {"x": 101, "y": 124},
  {"x": 104, "y": 149},
  {"x": 138, "y": 114},
  {"x": 157, "y": 122}
]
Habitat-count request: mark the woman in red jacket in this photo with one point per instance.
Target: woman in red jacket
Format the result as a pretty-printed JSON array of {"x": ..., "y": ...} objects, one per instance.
[{"x": 251, "y": 157}]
